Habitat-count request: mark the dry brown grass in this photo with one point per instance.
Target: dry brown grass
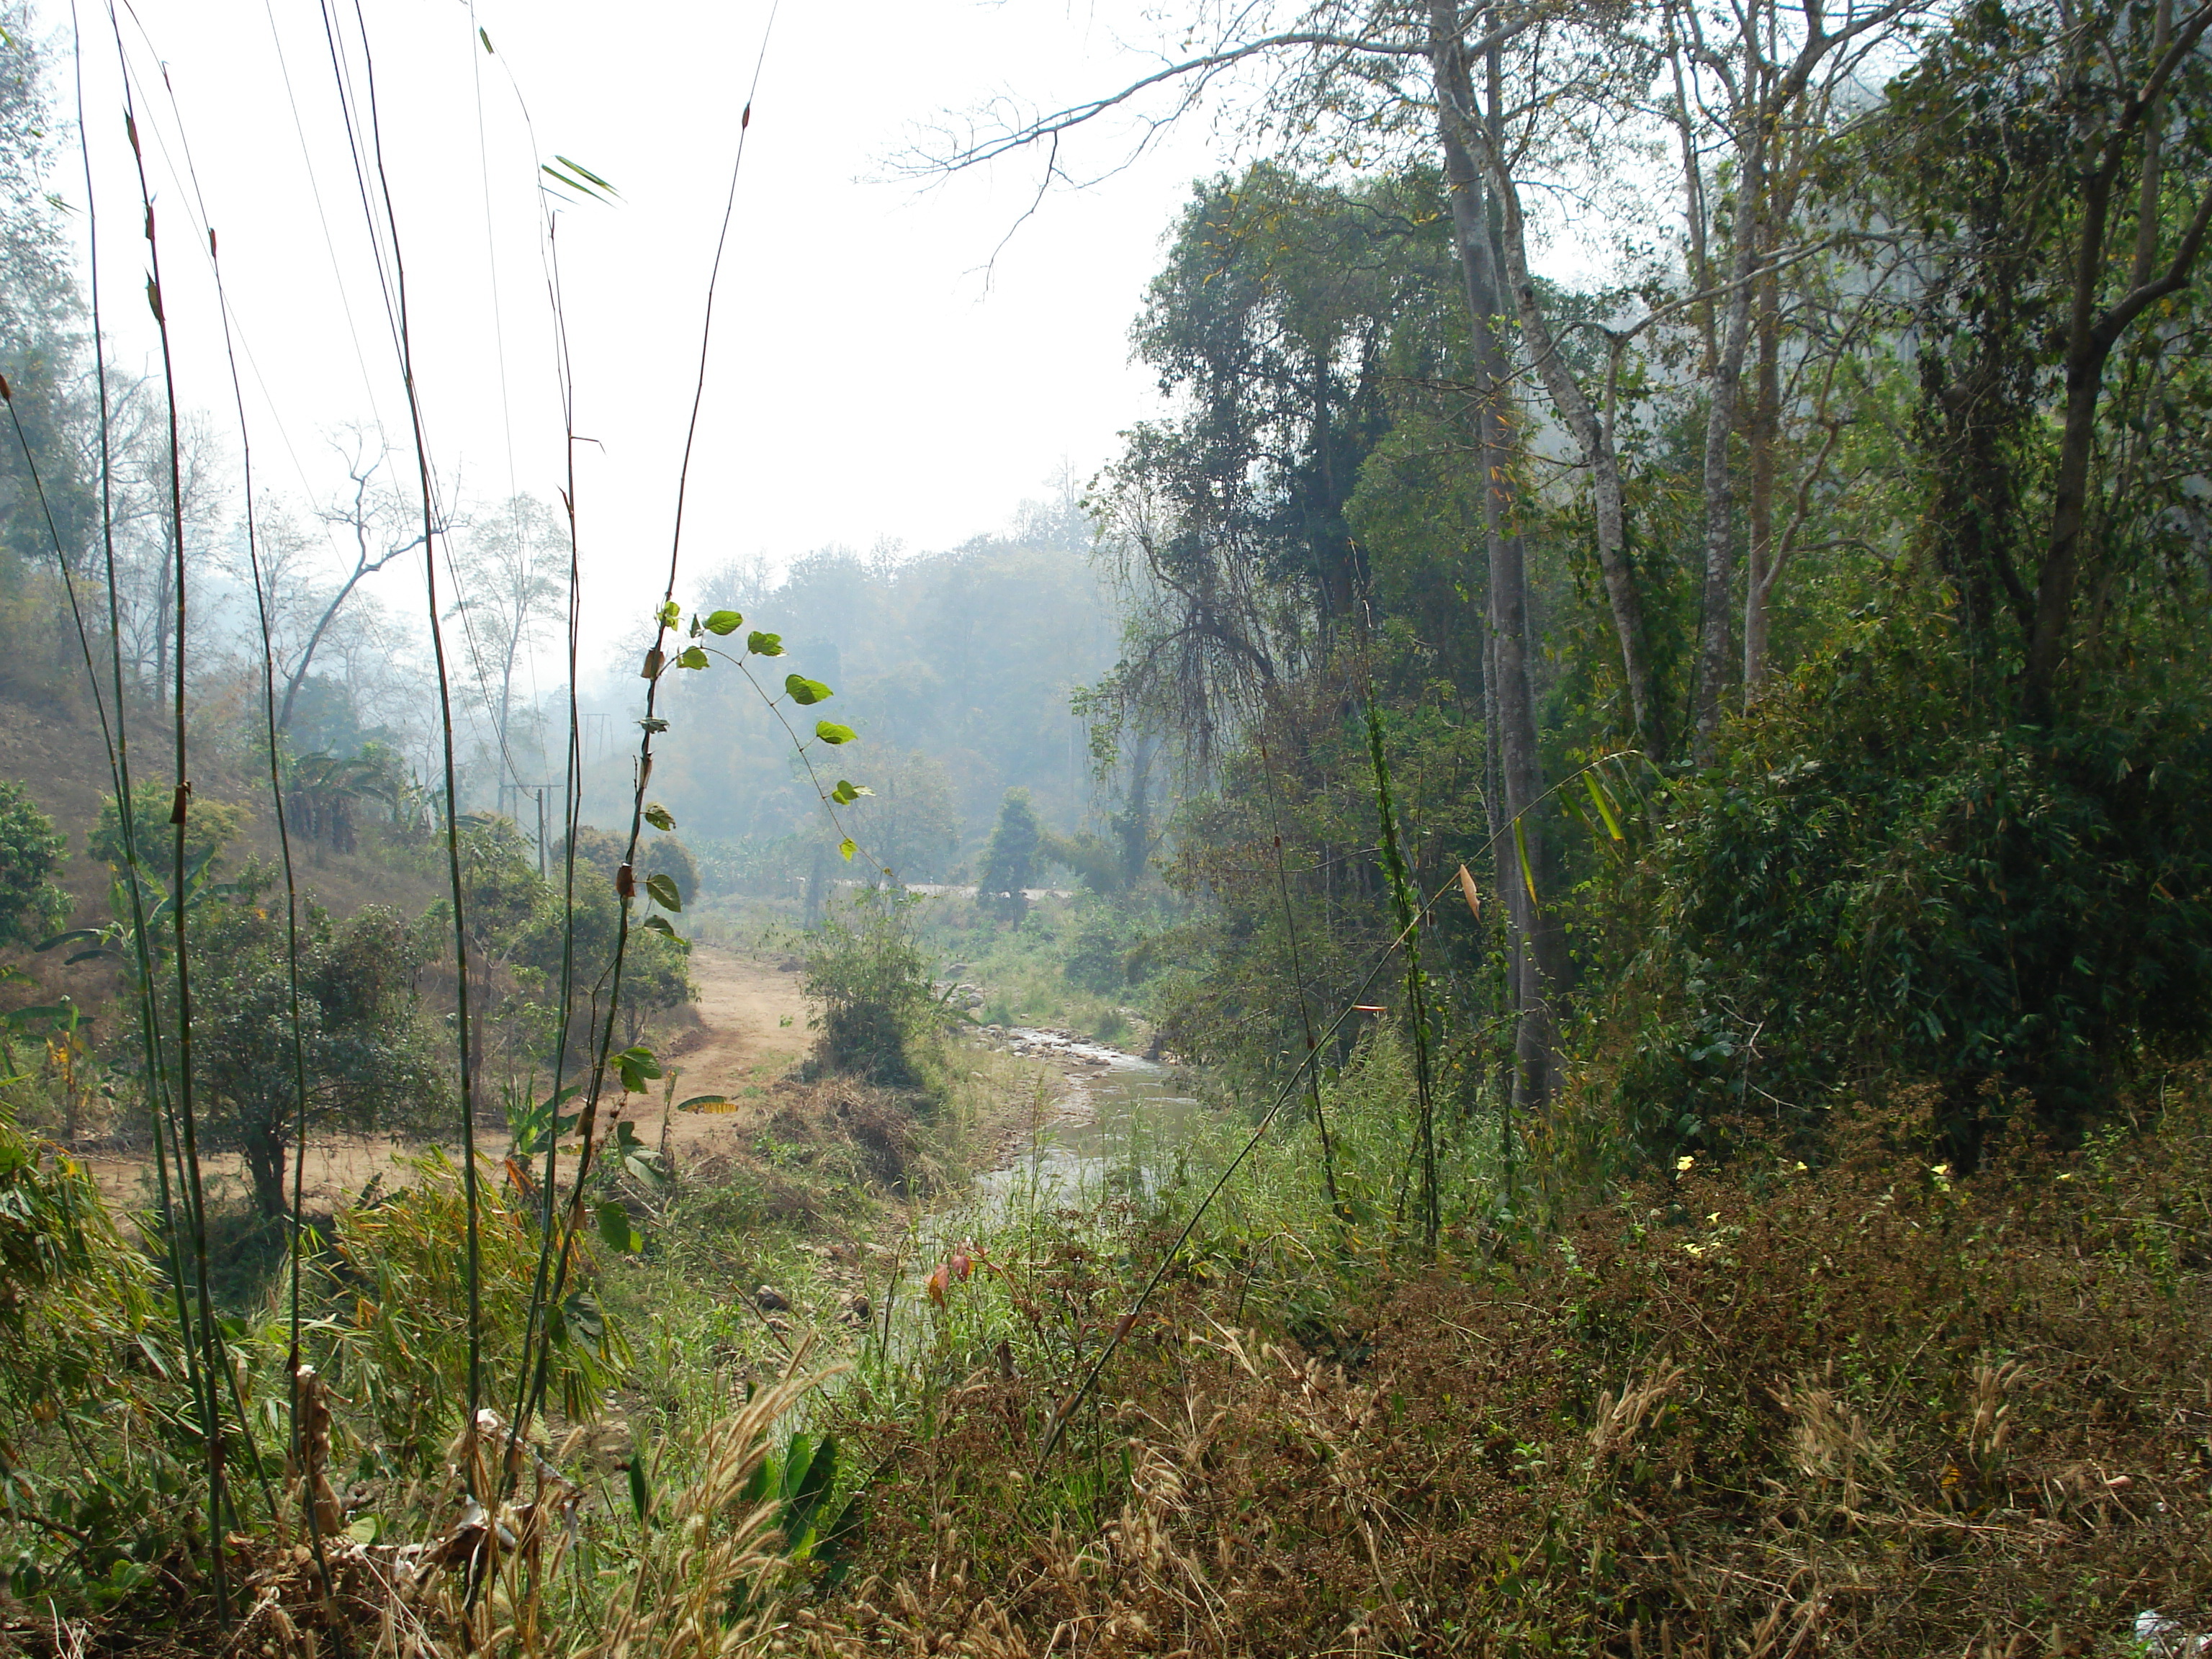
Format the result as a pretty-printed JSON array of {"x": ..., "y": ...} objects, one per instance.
[
  {"x": 1876, "y": 1407},
  {"x": 702, "y": 1579}
]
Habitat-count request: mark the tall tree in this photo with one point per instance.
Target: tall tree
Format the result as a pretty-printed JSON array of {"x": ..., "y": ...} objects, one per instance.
[
  {"x": 1757, "y": 76},
  {"x": 375, "y": 519},
  {"x": 2046, "y": 170},
  {"x": 1271, "y": 323},
  {"x": 1538, "y": 959},
  {"x": 512, "y": 565},
  {"x": 1555, "y": 81}
]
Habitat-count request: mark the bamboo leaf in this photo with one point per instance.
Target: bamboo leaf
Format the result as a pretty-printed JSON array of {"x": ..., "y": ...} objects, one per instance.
[
  {"x": 1604, "y": 807},
  {"x": 812, "y": 1485},
  {"x": 591, "y": 180}
]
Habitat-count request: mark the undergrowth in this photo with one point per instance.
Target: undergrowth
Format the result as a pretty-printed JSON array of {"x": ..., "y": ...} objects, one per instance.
[
  {"x": 1866, "y": 1406},
  {"x": 1845, "y": 1399}
]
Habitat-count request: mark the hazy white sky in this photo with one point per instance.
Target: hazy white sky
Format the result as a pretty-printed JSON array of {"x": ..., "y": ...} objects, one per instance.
[{"x": 866, "y": 382}]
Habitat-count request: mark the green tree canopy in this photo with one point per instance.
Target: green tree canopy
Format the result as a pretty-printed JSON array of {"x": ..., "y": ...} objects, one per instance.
[
  {"x": 368, "y": 1053},
  {"x": 1010, "y": 861}
]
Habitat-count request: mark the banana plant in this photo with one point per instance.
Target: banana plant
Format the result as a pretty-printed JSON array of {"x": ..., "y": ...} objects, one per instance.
[{"x": 157, "y": 904}]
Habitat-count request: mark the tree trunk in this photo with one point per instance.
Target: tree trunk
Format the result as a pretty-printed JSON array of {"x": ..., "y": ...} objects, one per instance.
[
  {"x": 264, "y": 1156},
  {"x": 1136, "y": 818},
  {"x": 1693, "y": 203},
  {"x": 1534, "y": 966},
  {"x": 1493, "y": 805},
  {"x": 1574, "y": 408},
  {"x": 1759, "y": 568},
  {"x": 299, "y": 675},
  {"x": 1717, "y": 601}
]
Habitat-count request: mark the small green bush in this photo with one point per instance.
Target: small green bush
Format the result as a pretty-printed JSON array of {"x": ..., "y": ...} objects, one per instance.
[
  {"x": 372, "y": 1061},
  {"x": 209, "y": 826},
  {"x": 31, "y": 906},
  {"x": 1098, "y": 953},
  {"x": 865, "y": 968}
]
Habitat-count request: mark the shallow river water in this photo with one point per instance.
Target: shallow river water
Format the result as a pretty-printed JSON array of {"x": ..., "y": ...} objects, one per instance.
[{"x": 1122, "y": 1117}]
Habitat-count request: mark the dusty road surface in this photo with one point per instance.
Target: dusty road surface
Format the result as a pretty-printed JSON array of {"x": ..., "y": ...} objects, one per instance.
[{"x": 752, "y": 1025}]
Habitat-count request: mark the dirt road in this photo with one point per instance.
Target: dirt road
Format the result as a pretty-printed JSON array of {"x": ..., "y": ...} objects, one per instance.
[{"x": 752, "y": 1026}]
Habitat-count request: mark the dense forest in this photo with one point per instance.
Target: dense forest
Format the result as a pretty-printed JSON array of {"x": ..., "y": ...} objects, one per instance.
[{"x": 1585, "y": 856}]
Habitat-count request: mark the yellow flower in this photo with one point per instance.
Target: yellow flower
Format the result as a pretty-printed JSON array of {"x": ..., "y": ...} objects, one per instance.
[{"x": 1682, "y": 1163}]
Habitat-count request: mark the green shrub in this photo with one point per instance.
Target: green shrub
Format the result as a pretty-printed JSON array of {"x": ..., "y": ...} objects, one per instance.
[
  {"x": 1098, "y": 953},
  {"x": 31, "y": 906},
  {"x": 1883, "y": 878},
  {"x": 865, "y": 968},
  {"x": 370, "y": 1058},
  {"x": 209, "y": 826},
  {"x": 654, "y": 975},
  {"x": 657, "y": 854}
]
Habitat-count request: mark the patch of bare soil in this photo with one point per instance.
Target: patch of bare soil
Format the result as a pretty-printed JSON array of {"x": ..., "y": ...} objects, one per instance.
[{"x": 751, "y": 1025}]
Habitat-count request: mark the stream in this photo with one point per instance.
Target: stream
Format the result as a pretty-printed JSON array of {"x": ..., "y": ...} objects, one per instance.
[
  {"x": 1116, "y": 1129},
  {"x": 1121, "y": 1116}
]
